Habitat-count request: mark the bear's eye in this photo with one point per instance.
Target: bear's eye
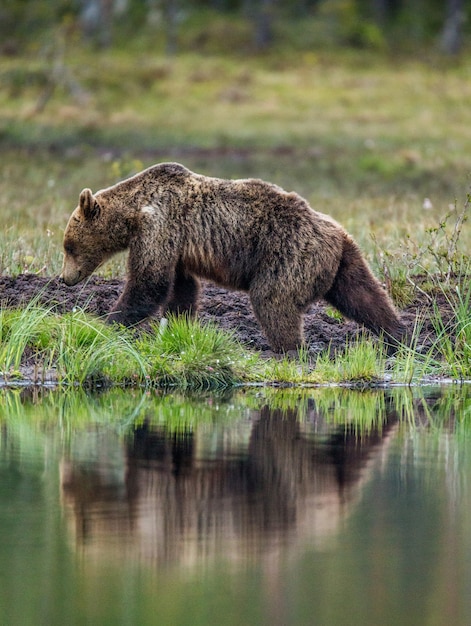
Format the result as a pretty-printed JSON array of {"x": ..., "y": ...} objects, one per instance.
[{"x": 69, "y": 249}]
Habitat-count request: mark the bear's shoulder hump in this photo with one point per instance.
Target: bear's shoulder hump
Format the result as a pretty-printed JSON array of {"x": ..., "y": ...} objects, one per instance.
[{"x": 169, "y": 170}]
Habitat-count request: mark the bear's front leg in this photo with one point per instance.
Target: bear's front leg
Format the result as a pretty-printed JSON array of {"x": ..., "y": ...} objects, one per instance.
[
  {"x": 185, "y": 292},
  {"x": 139, "y": 300}
]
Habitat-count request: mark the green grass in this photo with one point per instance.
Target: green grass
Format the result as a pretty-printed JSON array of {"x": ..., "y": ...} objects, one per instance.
[
  {"x": 454, "y": 339},
  {"x": 30, "y": 328},
  {"x": 77, "y": 349}
]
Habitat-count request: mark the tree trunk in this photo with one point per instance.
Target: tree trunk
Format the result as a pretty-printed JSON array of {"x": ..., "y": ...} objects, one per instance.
[
  {"x": 451, "y": 39},
  {"x": 171, "y": 19},
  {"x": 263, "y": 11},
  {"x": 96, "y": 18}
]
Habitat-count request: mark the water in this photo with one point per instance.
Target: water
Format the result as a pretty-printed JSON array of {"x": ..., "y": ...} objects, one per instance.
[{"x": 323, "y": 506}]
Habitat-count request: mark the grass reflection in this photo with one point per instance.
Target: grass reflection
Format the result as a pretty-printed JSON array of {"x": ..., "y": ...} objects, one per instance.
[{"x": 125, "y": 409}]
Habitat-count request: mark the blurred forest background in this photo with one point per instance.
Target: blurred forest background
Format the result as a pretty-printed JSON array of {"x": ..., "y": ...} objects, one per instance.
[{"x": 253, "y": 25}]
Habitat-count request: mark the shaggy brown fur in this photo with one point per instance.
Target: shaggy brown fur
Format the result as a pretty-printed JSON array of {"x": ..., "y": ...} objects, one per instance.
[{"x": 242, "y": 234}]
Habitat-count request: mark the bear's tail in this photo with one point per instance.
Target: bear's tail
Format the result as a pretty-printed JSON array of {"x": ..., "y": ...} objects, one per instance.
[{"x": 358, "y": 295}]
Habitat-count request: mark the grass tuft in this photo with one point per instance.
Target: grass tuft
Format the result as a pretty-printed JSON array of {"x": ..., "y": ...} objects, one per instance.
[
  {"x": 361, "y": 362},
  {"x": 90, "y": 352},
  {"x": 186, "y": 353},
  {"x": 83, "y": 350},
  {"x": 453, "y": 341},
  {"x": 30, "y": 328}
]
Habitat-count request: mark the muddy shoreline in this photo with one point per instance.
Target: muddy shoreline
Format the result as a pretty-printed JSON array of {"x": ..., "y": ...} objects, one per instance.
[{"x": 227, "y": 309}]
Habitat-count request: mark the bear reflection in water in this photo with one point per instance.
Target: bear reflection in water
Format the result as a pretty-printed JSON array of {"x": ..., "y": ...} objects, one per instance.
[{"x": 240, "y": 493}]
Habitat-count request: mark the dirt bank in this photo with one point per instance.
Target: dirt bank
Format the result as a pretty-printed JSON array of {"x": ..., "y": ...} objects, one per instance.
[{"x": 229, "y": 310}]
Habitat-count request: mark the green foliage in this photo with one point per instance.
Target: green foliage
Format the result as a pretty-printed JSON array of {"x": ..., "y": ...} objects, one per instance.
[
  {"x": 89, "y": 352},
  {"x": 360, "y": 363},
  {"x": 284, "y": 370},
  {"x": 454, "y": 339},
  {"x": 78, "y": 349},
  {"x": 186, "y": 353},
  {"x": 28, "y": 328},
  {"x": 224, "y": 26},
  {"x": 437, "y": 261},
  {"x": 21, "y": 20},
  {"x": 354, "y": 26},
  {"x": 413, "y": 363}
]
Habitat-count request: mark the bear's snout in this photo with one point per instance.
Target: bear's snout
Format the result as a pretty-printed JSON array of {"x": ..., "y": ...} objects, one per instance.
[
  {"x": 70, "y": 276},
  {"x": 70, "y": 281}
]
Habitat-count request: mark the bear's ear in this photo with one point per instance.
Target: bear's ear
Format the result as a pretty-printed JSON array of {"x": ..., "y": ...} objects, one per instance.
[{"x": 88, "y": 204}]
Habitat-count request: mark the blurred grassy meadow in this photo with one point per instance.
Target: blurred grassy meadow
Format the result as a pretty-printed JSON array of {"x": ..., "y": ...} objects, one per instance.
[{"x": 380, "y": 143}]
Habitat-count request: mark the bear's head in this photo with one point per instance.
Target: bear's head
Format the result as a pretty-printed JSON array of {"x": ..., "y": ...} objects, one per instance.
[{"x": 88, "y": 240}]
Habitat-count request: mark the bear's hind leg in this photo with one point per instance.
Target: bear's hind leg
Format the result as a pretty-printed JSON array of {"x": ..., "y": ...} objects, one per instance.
[
  {"x": 282, "y": 324},
  {"x": 358, "y": 295},
  {"x": 185, "y": 292}
]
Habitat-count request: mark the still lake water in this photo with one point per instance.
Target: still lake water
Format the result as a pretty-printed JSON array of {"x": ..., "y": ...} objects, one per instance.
[{"x": 277, "y": 507}]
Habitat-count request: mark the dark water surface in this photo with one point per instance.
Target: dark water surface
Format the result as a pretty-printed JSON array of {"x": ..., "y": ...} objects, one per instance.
[{"x": 321, "y": 506}]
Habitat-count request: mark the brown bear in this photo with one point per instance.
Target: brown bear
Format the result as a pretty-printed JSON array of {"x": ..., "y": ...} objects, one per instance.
[{"x": 245, "y": 235}]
